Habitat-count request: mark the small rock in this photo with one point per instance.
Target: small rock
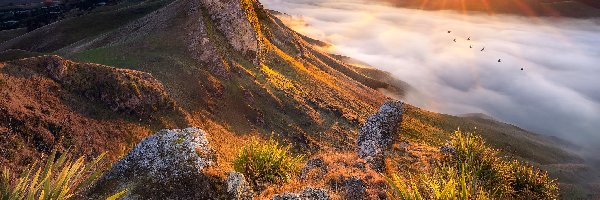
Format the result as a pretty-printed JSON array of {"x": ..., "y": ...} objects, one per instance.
[
  {"x": 355, "y": 188},
  {"x": 314, "y": 194},
  {"x": 238, "y": 187},
  {"x": 306, "y": 194},
  {"x": 287, "y": 196},
  {"x": 316, "y": 166},
  {"x": 448, "y": 150}
]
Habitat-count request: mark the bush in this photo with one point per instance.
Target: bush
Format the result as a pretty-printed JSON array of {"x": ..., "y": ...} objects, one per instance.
[
  {"x": 267, "y": 162},
  {"x": 475, "y": 171},
  {"x": 61, "y": 178}
]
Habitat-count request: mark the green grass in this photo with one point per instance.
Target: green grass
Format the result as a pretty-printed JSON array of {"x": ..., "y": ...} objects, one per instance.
[
  {"x": 476, "y": 171},
  {"x": 107, "y": 56},
  {"x": 267, "y": 162},
  {"x": 61, "y": 178}
]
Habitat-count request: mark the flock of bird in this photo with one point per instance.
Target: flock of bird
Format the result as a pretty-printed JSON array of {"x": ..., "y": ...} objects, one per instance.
[{"x": 483, "y": 49}]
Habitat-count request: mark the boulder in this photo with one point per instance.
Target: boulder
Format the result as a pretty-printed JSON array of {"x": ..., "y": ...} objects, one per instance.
[
  {"x": 167, "y": 165},
  {"x": 376, "y": 134},
  {"x": 237, "y": 187}
]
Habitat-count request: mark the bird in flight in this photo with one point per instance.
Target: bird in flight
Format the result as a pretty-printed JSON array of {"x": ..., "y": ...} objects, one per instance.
[
  {"x": 449, "y": 31},
  {"x": 499, "y": 60},
  {"x": 470, "y": 46},
  {"x": 469, "y": 38},
  {"x": 454, "y": 40},
  {"x": 522, "y": 69},
  {"x": 483, "y": 49}
]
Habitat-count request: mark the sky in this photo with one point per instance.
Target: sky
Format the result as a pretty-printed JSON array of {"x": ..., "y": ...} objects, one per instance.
[{"x": 557, "y": 93}]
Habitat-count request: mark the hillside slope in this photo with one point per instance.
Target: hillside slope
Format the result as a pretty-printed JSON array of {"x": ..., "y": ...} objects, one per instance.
[{"x": 236, "y": 71}]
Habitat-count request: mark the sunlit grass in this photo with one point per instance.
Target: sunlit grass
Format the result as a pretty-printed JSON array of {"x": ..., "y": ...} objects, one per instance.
[
  {"x": 475, "y": 171},
  {"x": 62, "y": 178},
  {"x": 267, "y": 162}
]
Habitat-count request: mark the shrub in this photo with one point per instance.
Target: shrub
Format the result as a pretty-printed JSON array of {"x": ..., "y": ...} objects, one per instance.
[
  {"x": 475, "y": 171},
  {"x": 266, "y": 162},
  {"x": 61, "y": 178}
]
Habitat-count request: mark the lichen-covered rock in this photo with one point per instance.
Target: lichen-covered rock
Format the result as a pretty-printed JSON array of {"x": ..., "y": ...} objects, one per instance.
[
  {"x": 167, "y": 165},
  {"x": 237, "y": 187},
  {"x": 376, "y": 134},
  {"x": 306, "y": 194},
  {"x": 314, "y": 194}
]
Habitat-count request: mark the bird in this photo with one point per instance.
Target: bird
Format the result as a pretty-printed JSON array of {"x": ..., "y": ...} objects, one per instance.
[
  {"x": 470, "y": 46},
  {"x": 499, "y": 60},
  {"x": 483, "y": 49},
  {"x": 469, "y": 38},
  {"x": 522, "y": 69},
  {"x": 449, "y": 31},
  {"x": 454, "y": 40}
]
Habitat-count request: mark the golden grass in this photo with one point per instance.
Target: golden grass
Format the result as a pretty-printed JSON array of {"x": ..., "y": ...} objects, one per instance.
[{"x": 64, "y": 178}]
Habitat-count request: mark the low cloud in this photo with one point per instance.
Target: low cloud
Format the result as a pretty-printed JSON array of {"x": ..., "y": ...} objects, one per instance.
[{"x": 558, "y": 93}]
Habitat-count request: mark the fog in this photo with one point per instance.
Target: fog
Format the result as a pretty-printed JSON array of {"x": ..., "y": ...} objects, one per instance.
[{"x": 557, "y": 93}]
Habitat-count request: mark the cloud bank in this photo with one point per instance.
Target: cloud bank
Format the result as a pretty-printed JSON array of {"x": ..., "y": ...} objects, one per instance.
[{"x": 557, "y": 93}]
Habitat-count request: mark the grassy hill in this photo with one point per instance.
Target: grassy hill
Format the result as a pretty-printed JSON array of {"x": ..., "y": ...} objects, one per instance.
[{"x": 236, "y": 71}]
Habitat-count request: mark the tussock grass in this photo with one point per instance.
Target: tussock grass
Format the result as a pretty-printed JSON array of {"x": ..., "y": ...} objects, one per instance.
[
  {"x": 267, "y": 162},
  {"x": 61, "y": 178},
  {"x": 475, "y": 171}
]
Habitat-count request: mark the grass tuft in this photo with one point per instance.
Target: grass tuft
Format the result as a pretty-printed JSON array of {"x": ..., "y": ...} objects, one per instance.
[
  {"x": 61, "y": 178},
  {"x": 267, "y": 162}
]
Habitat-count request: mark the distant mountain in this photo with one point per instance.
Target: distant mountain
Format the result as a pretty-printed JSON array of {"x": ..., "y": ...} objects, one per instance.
[{"x": 557, "y": 8}]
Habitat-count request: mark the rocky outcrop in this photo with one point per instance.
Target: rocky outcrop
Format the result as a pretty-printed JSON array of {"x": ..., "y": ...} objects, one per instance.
[
  {"x": 167, "y": 165},
  {"x": 231, "y": 20},
  {"x": 237, "y": 187},
  {"x": 306, "y": 194},
  {"x": 376, "y": 134}
]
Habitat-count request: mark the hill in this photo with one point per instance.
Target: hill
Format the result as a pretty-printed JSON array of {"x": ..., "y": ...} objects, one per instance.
[{"x": 235, "y": 70}]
